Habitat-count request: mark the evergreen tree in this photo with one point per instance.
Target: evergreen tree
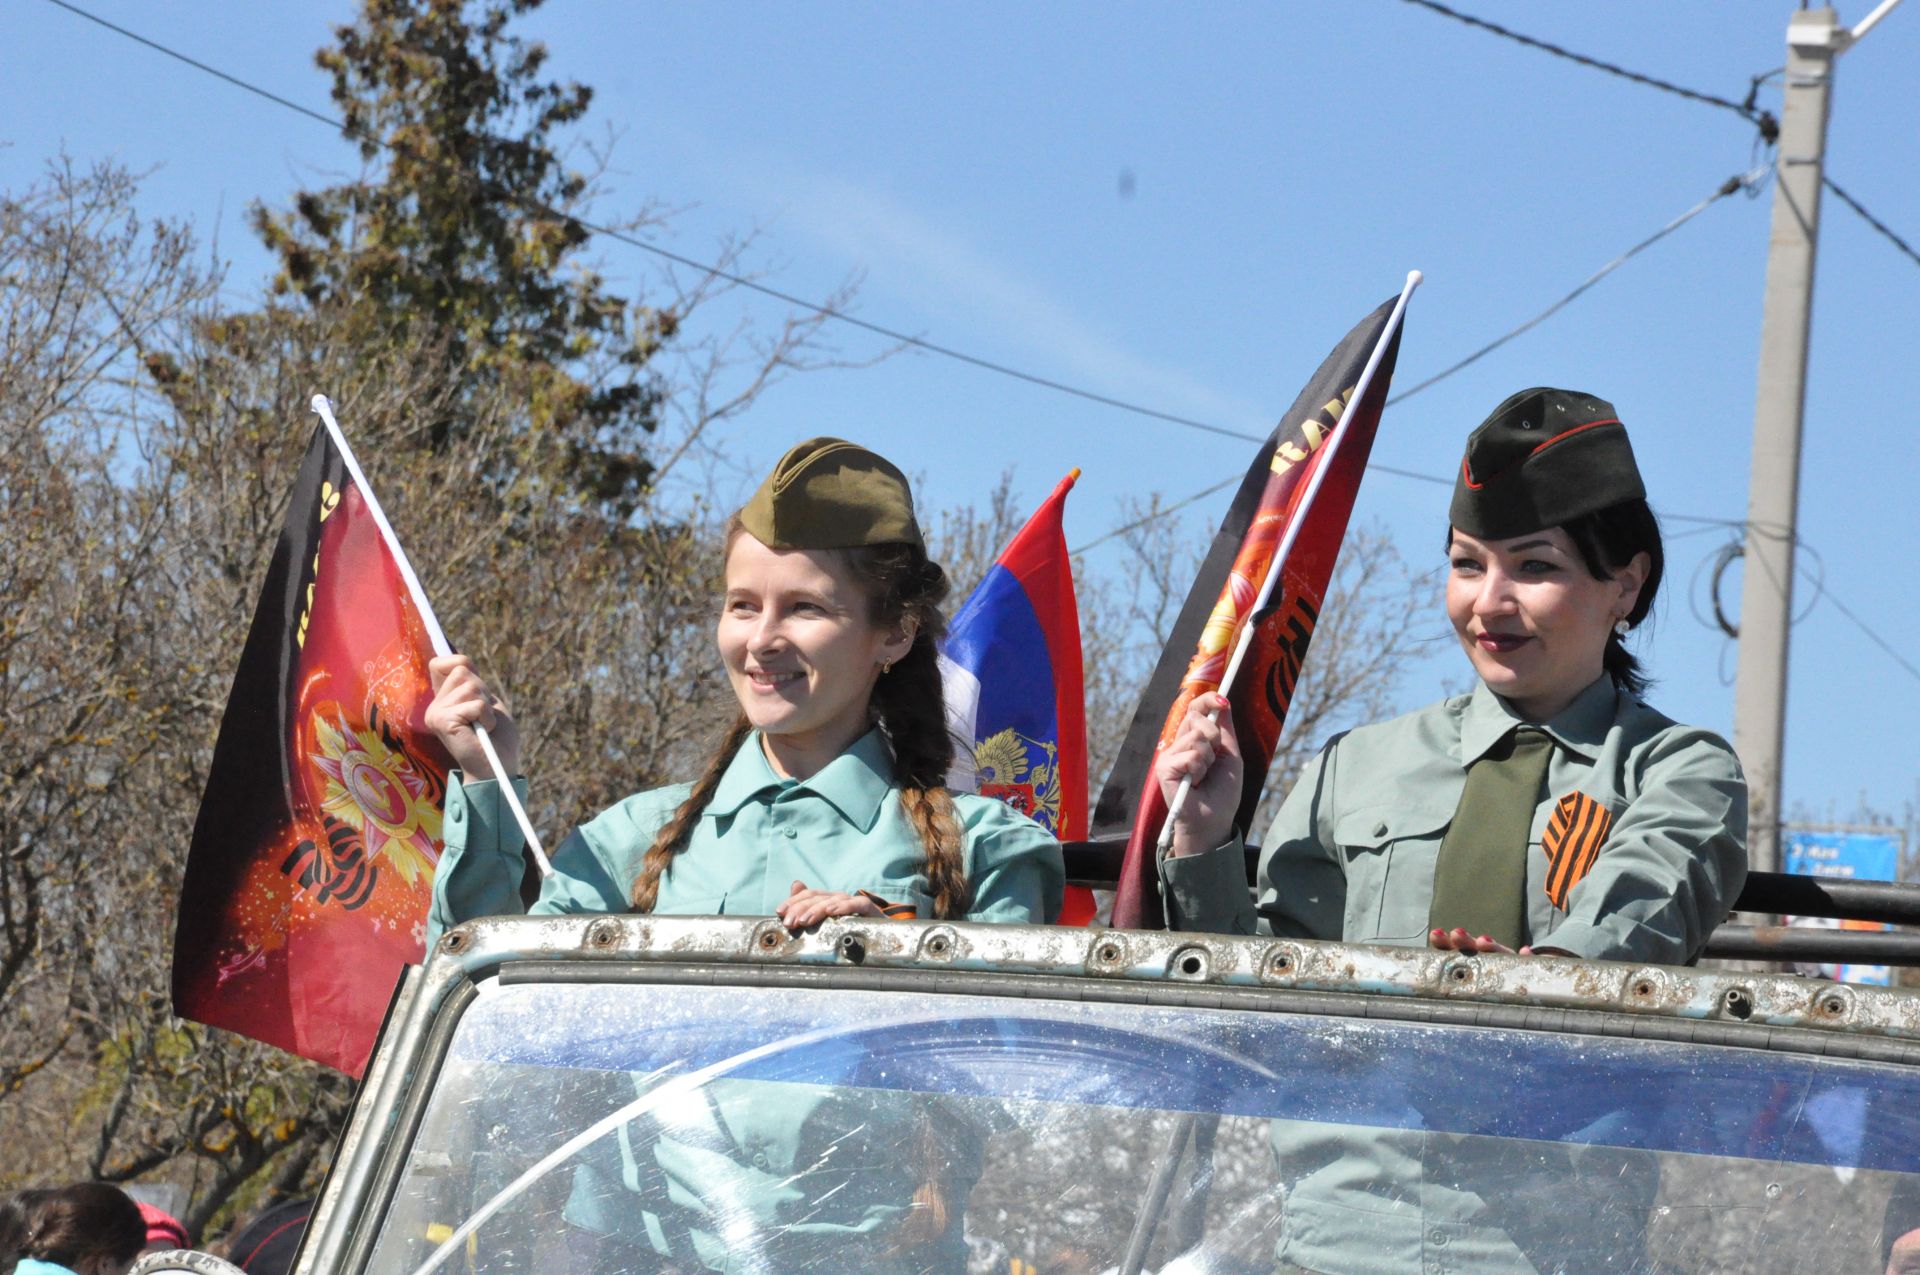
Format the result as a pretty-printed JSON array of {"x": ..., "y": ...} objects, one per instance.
[{"x": 462, "y": 232}]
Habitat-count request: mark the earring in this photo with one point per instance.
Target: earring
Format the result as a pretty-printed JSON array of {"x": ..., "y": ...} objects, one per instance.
[
  {"x": 886, "y": 667},
  {"x": 1620, "y": 627}
]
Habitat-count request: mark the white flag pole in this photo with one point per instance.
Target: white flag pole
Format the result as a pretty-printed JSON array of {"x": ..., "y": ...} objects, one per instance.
[
  {"x": 435, "y": 633},
  {"x": 1292, "y": 533}
]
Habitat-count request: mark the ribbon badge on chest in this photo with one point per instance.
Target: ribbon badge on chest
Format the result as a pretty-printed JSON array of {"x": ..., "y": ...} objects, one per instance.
[{"x": 1572, "y": 841}]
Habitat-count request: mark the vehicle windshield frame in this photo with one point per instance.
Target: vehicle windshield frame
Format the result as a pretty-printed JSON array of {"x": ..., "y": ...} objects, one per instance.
[{"x": 1264, "y": 975}]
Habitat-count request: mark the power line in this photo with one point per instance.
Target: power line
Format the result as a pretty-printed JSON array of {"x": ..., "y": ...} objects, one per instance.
[
  {"x": 712, "y": 271},
  {"x": 1875, "y": 638},
  {"x": 1763, "y": 120},
  {"x": 1742, "y": 181},
  {"x": 1155, "y": 516},
  {"x": 198, "y": 65},
  {"x": 1870, "y": 219},
  {"x": 892, "y": 334}
]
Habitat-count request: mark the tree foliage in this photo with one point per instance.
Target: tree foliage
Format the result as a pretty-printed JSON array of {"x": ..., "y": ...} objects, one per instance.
[
  {"x": 501, "y": 400},
  {"x": 518, "y": 421},
  {"x": 462, "y": 233}
]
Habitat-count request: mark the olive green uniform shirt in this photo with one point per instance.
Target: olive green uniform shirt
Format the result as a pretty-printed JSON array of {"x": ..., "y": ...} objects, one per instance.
[
  {"x": 1351, "y": 857},
  {"x": 813, "y": 1174}
]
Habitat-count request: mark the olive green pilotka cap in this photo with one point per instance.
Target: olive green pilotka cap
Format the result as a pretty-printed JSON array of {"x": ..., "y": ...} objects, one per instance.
[
  {"x": 1543, "y": 458},
  {"x": 827, "y": 493}
]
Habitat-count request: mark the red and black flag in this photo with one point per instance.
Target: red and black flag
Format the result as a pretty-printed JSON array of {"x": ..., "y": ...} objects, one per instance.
[
  {"x": 313, "y": 855},
  {"x": 1271, "y": 507}
]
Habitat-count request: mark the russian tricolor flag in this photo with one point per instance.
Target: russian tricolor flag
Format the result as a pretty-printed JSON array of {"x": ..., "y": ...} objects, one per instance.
[{"x": 1016, "y": 702}]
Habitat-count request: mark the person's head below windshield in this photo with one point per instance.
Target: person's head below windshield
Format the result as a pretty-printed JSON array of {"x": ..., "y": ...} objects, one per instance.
[{"x": 87, "y": 1228}]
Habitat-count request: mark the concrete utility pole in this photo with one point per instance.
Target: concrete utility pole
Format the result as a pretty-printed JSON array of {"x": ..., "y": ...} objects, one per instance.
[{"x": 1814, "y": 41}]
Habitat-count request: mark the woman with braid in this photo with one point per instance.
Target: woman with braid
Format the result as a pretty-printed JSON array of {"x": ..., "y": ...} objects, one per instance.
[{"x": 825, "y": 798}]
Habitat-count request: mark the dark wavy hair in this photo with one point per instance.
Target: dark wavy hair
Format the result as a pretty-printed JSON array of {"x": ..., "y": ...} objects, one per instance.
[
  {"x": 1607, "y": 540},
  {"x": 71, "y": 1226}
]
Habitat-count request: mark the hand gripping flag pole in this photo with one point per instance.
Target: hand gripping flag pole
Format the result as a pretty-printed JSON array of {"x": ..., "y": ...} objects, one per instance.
[
  {"x": 1272, "y": 582},
  {"x": 435, "y": 633}
]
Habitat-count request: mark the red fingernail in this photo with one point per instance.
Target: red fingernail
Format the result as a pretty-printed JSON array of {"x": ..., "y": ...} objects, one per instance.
[{"x": 1484, "y": 938}]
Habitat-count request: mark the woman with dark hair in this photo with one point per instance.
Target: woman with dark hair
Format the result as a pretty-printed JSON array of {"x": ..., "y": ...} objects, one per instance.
[
  {"x": 826, "y": 797},
  {"x": 1550, "y": 811},
  {"x": 88, "y": 1228}
]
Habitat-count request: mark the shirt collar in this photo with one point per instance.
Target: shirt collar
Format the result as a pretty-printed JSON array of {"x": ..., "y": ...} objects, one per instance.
[
  {"x": 855, "y": 783},
  {"x": 1579, "y": 727}
]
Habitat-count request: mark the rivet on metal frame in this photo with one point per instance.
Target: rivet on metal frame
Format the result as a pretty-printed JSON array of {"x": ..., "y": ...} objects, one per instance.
[
  {"x": 1644, "y": 987},
  {"x": 603, "y": 935},
  {"x": 938, "y": 944},
  {"x": 1191, "y": 963},
  {"x": 1283, "y": 963}
]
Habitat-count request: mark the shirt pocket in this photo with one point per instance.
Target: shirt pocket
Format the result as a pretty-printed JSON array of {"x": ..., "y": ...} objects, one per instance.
[{"x": 1390, "y": 853}]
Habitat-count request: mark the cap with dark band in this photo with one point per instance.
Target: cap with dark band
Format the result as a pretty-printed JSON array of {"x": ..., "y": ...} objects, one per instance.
[
  {"x": 1544, "y": 457},
  {"x": 827, "y": 493}
]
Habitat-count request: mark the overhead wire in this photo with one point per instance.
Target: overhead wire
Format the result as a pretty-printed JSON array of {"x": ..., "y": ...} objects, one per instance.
[
  {"x": 1739, "y": 181},
  {"x": 710, "y": 270},
  {"x": 1761, "y": 119},
  {"x": 1870, "y": 219}
]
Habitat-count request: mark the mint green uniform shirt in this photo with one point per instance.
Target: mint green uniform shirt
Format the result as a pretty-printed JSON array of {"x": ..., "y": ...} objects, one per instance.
[
  {"x": 1351, "y": 857},
  {"x": 1351, "y": 854},
  {"x": 820, "y": 1178},
  {"x": 843, "y": 829}
]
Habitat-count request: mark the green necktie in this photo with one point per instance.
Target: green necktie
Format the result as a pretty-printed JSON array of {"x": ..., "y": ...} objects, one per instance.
[{"x": 1480, "y": 879}]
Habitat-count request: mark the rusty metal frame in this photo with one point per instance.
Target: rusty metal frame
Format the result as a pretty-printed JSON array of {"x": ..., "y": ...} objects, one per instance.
[
  {"x": 1707, "y": 1007},
  {"x": 1097, "y": 864}
]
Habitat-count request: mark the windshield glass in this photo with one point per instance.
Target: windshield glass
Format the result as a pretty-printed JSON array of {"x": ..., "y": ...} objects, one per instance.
[{"x": 671, "y": 1127}]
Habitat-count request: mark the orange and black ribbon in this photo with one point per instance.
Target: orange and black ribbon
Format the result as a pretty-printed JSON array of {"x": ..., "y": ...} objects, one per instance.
[
  {"x": 1572, "y": 841},
  {"x": 892, "y": 911}
]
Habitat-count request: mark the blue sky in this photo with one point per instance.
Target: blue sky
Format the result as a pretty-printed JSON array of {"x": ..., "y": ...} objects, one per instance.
[{"x": 1288, "y": 165}]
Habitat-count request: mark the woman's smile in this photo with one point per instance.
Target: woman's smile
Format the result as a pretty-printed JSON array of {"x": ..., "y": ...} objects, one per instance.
[
  {"x": 801, "y": 649},
  {"x": 769, "y": 681},
  {"x": 1501, "y": 643},
  {"x": 1532, "y": 617}
]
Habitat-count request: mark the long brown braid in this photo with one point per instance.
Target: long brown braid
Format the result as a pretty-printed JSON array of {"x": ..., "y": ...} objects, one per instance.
[
  {"x": 910, "y": 704},
  {"x": 903, "y": 587},
  {"x": 672, "y": 838}
]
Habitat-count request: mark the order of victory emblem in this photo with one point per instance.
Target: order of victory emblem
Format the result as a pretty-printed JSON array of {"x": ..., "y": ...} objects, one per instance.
[
  {"x": 376, "y": 790},
  {"x": 1023, "y": 772}
]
